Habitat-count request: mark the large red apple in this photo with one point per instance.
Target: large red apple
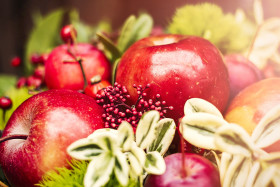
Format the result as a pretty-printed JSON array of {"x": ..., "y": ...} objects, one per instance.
[
  {"x": 252, "y": 103},
  {"x": 62, "y": 69},
  {"x": 51, "y": 121},
  {"x": 199, "y": 172},
  {"x": 242, "y": 73},
  {"x": 178, "y": 68}
]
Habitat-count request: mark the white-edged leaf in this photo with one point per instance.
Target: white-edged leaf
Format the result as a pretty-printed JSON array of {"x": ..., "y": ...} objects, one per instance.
[
  {"x": 103, "y": 131},
  {"x": 267, "y": 131},
  {"x": 243, "y": 171},
  {"x": 99, "y": 170},
  {"x": 226, "y": 159},
  {"x": 195, "y": 105},
  {"x": 135, "y": 166},
  {"x": 125, "y": 136},
  {"x": 265, "y": 176},
  {"x": 271, "y": 158},
  {"x": 154, "y": 163},
  {"x": 139, "y": 154},
  {"x": 165, "y": 130},
  {"x": 232, "y": 170},
  {"x": 276, "y": 178},
  {"x": 255, "y": 170},
  {"x": 258, "y": 11},
  {"x": 84, "y": 149},
  {"x": 199, "y": 129},
  {"x": 145, "y": 132},
  {"x": 234, "y": 139},
  {"x": 121, "y": 168}
]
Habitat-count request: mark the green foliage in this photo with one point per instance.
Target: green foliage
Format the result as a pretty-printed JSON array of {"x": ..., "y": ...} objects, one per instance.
[
  {"x": 208, "y": 21},
  {"x": 17, "y": 96},
  {"x": 43, "y": 36},
  {"x": 6, "y": 82},
  {"x": 74, "y": 177}
]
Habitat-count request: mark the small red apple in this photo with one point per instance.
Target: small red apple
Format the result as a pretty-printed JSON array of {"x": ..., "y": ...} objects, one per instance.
[
  {"x": 198, "y": 172},
  {"x": 47, "y": 124},
  {"x": 242, "y": 72},
  {"x": 178, "y": 68},
  {"x": 252, "y": 103},
  {"x": 62, "y": 69}
]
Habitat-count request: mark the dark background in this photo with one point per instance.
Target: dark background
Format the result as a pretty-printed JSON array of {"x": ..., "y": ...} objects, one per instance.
[{"x": 16, "y": 17}]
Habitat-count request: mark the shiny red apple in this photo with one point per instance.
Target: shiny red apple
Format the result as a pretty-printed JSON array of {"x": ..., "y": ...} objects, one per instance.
[
  {"x": 242, "y": 72},
  {"x": 178, "y": 68},
  {"x": 62, "y": 69},
  {"x": 47, "y": 124},
  {"x": 198, "y": 172}
]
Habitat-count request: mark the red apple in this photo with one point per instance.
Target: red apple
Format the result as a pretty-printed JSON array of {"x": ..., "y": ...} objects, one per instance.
[
  {"x": 199, "y": 172},
  {"x": 242, "y": 73},
  {"x": 62, "y": 69},
  {"x": 178, "y": 68},
  {"x": 252, "y": 103},
  {"x": 50, "y": 121}
]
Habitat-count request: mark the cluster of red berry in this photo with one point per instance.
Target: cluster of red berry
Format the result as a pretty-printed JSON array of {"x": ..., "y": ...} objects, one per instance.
[{"x": 113, "y": 100}]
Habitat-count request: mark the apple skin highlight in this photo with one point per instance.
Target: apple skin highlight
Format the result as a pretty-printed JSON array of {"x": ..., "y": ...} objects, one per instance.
[{"x": 52, "y": 120}]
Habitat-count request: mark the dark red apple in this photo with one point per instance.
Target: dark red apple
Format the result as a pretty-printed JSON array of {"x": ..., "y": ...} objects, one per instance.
[
  {"x": 178, "y": 68},
  {"x": 198, "y": 172},
  {"x": 242, "y": 73},
  {"x": 62, "y": 69},
  {"x": 50, "y": 121}
]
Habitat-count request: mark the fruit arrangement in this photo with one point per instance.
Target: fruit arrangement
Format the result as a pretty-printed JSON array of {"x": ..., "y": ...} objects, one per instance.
[{"x": 189, "y": 104}]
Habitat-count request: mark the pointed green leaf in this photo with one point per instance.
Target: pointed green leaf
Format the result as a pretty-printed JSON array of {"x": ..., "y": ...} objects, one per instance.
[
  {"x": 109, "y": 46},
  {"x": 154, "y": 163},
  {"x": 99, "y": 170},
  {"x": 234, "y": 139},
  {"x": 199, "y": 129},
  {"x": 165, "y": 130},
  {"x": 145, "y": 132},
  {"x": 125, "y": 136},
  {"x": 114, "y": 70},
  {"x": 135, "y": 165},
  {"x": 194, "y": 105},
  {"x": 267, "y": 131},
  {"x": 84, "y": 149},
  {"x": 121, "y": 168}
]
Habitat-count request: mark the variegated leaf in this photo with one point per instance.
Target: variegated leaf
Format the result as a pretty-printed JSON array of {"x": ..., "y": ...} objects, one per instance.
[
  {"x": 165, "y": 130},
  {"x": 276, "y": 178},
  {"x": 267, "y": 131},
  {"x": 135, "y": 166},
  {"x": 107, "y": 143},
  {"x": 199, "y": 129},
  {"x": 255, "y": 170},
  {"x": 154, "y": 163},
  {"x": 226, "y": 159},
  {"x": 121, "y": 168},
  {"x": 99, "y": 170},
  {"x": 243, "y": 171},
  {"x": 125, "y": 136},
  {"x": 265, "y": 177},
  {"x": 84, "y": 149},
  {"x": 271, "y": 158},
  {"x": 103, "y": 131},
  {"x": 195, "y": 105},
  {"x": 145, "y": 132},
  {"x": 233, "y": 170},
  {"x": 234, "y": 139}
]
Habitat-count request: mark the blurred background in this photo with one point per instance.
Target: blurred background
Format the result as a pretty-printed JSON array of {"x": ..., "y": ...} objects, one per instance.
[{"x": 17, "y": 17}]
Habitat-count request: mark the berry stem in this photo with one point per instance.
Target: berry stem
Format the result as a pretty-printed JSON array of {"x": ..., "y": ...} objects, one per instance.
[{"x": 14, "y": 136}]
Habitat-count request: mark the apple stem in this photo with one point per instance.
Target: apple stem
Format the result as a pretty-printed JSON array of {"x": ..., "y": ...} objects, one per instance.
[
  {"x": 79, "y": 60},
  {"x": 184, "y": 171},
  {"x": 14, "y": 136}
]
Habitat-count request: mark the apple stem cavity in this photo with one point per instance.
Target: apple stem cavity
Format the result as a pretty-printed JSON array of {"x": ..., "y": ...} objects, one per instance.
[{"x": 14, "y": 136}]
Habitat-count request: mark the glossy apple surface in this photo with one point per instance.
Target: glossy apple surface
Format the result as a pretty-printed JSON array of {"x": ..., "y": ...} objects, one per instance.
[
  {"x": 252, "y": 103},
  {"x": 200, "y": 172},
  {"x": 242, "y": 73},
  {"x": 178, "y": 68},
  {"x": 52, "y": 120},
  {"x": 62, "y": 71}
]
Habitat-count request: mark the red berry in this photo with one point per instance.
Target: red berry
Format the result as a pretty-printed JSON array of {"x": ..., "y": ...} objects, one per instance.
[
  {"x": 68, "y": 34},
  {"x": 21, "y": 82},
  {"x": 39, "y": 72},
  {"x": 16, "y": 61},
  {"x": 5, "y": 103},
  {"x": 33, "y": 81},
  {"x": 36, "y": 59}
]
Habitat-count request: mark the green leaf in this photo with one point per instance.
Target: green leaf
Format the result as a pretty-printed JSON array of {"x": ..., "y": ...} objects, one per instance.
[
  {"x": 145, "y": 132},
  {"x": 18, "y": 96},
  {"x": 137, "y": 159},
  {"x": 114, "y": 70},
  {"x": 125, "y": 136},
  {"x": 121, "y": 168},
  {"x": 164, "y": 133},
  {"x": 154, "y": 163},
  {"x": 6, "y": 82},
  {"x": 99, "y": 170},
  {"x": 109, "y": 47},
  {"x": 43, "y": 36}
]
